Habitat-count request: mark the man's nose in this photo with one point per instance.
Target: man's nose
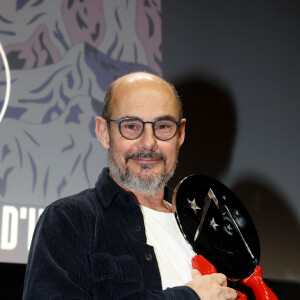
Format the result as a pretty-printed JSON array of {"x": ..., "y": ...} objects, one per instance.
[{"x": 148, "y": 139}]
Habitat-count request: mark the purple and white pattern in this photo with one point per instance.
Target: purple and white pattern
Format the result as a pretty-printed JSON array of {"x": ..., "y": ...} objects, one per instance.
[{"x": 62, "y": 55}]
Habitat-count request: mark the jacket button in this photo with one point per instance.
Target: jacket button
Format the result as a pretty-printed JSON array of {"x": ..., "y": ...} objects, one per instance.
[
  {"x": 137, "y": 228},
  {"x": 148, "y": 257}
]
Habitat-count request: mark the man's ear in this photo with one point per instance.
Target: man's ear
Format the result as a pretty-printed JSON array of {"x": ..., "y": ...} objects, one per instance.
[
  {"x": 102, "y": 133},
  {"x": 181, "y": 132}
]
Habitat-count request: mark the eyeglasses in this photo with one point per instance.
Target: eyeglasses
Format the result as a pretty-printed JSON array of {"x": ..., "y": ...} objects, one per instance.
[{"x": 132, "y": 128}]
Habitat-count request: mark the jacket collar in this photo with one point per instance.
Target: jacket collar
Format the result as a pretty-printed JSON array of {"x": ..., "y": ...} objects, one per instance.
[{"x": 107, "y": 188}]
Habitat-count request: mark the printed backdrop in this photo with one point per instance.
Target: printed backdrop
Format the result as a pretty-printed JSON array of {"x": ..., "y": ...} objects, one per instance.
[{"x": 62, "y": 55}]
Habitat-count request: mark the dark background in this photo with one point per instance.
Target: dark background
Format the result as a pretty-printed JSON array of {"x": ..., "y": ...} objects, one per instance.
[{"x": 236, "y": 65}]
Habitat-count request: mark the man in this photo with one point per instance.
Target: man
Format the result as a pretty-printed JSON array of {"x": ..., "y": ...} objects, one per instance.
[{"x": 116, "y": 241}]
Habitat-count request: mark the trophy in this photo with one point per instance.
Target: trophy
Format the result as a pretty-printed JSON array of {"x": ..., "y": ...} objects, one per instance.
[{"x": 221, "y": 232}]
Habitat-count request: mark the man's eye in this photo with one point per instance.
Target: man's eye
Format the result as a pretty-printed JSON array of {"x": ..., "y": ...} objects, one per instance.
[
  {"x": 163, "y": 126},
  {"x": 132, "y": 126}
]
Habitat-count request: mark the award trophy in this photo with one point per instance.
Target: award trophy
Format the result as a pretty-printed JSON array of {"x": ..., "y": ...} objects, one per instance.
[{"x": 221, "y": 232}]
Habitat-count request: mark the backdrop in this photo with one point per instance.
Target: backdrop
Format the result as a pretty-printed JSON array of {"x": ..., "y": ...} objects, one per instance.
[
  {"x": 62, "y": 56},
  {"x": 236, "y": 65}
]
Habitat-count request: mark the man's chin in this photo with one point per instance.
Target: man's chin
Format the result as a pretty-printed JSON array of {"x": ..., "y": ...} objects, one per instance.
[
  {"x": 147, "y": 172},
  {"x": 144, "y": 175}
]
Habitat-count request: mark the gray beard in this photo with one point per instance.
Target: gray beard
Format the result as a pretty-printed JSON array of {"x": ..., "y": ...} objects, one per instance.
[{"x": 143, "y": 185}]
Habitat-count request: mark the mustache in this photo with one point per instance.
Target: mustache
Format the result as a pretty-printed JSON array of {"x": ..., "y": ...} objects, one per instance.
[{"x": 150, "y": 154}]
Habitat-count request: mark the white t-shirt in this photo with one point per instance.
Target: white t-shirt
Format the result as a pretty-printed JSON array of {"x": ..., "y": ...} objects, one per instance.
[{"x": 172, "y": 251}]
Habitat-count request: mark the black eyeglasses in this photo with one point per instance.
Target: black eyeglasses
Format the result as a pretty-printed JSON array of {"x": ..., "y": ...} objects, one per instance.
[{"x": 132, "y": 128}]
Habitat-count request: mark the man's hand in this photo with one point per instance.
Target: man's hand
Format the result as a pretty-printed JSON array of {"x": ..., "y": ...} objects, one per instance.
[{"x": 211, "y": 287}]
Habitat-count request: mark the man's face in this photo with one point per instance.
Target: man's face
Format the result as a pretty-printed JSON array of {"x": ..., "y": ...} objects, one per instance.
[{"x": 146, "y": 163}]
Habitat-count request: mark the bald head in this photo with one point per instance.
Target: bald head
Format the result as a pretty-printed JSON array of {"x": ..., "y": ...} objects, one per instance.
[{"x": 135, "y": 78}]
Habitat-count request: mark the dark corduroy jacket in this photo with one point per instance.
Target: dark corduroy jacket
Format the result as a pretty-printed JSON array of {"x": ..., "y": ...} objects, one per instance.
[{"x": 93, "y": 246}]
